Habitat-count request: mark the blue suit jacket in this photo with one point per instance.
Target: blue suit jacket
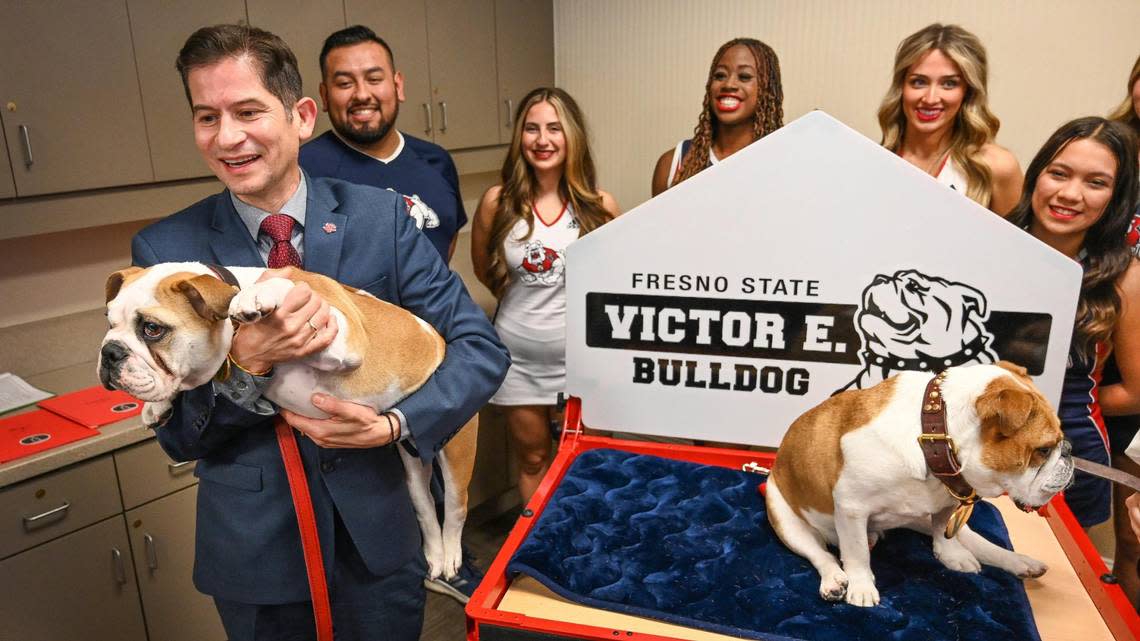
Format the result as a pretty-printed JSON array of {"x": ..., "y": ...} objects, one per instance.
[{"x": 248, "y": 549}]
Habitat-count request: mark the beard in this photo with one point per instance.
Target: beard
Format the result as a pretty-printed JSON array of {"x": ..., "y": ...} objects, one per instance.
[{"x": 366, "y": 135}]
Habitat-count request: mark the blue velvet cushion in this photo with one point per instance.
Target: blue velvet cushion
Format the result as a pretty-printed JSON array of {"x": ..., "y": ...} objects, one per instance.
[{"x": 690, "y": 544}]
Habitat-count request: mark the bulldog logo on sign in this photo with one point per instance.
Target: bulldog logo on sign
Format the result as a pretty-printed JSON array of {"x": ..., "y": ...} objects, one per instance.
[{"x": 912, "y": 321}]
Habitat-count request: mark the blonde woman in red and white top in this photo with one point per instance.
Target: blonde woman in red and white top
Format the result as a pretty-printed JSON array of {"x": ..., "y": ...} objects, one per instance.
[
  {"x": 548, "y": 197},
  {"x": 936, "y": 117}
]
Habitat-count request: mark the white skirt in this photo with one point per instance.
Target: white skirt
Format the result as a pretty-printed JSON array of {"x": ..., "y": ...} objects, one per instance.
[{"x": 538, "y": 365}]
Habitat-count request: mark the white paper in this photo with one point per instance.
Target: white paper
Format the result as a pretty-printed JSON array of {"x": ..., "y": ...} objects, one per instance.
[{"x": 16, "y": 392}]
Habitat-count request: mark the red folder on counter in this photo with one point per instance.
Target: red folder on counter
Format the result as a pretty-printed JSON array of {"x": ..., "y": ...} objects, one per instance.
[
  {"x": 94, "y": 407},
  {"x": 37, "y": 431}
]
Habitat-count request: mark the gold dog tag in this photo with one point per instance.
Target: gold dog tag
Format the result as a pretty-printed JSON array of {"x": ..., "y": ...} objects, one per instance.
[{"x": 958, "y": 519}]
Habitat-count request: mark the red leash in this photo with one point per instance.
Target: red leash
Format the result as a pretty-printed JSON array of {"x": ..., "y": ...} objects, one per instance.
[{"x": 307, "y": 524}]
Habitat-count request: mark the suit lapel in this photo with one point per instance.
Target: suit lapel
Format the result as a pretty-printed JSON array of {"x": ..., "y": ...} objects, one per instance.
[
  {"x": 324, "y": 230},
  {"x": 229, "y": 237}
]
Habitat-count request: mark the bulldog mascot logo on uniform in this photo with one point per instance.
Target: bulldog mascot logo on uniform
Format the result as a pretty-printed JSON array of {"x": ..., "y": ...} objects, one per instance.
[
  {"x": 541, "y": 264},
  {"x": 171, "y": 326},
  {"x": 911, "y": 321},
  {"x": 425, "y": 216}
]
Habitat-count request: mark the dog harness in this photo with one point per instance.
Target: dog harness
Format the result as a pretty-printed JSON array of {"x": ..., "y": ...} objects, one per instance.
[{"x": 942, "y": 455}]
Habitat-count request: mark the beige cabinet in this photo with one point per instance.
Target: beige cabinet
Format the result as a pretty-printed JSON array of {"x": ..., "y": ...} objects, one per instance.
[
  {"x": 461, "y": 39},
  {"x": 162, "y": 544},
  {"x": 303, "y": 25},
  {"x": 7, "y": 186},
  {"x": 54, "y": 504},
  {"x": 403, "y": 25},
  {"x": 445, "y": 50},
  {"x": 524, "y": 37},
  {"x": 80, "y": 586},
  {"x": 159, "y": 28},
  {"x": 73, "y": 116}
]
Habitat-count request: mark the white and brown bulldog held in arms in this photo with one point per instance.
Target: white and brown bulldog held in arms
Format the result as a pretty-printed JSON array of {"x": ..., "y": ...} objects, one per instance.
[
  {"x": 913, "y": 322},
  {"x": 170, "y": 330},
  {"x": 861, "y": 463}
]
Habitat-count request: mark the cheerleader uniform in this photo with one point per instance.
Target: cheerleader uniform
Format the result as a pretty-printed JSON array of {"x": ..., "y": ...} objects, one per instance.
[
  {"x": 1089, "y": 497},
  {"x": 679, "y": 155},
  {"x": 951, "y": 175},
  {"x": 531, "y": 318}
]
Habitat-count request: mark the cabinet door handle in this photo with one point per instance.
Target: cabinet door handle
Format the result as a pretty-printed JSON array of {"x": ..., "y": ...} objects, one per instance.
[
  {"x": 33, "y": 522},
  {"x": 443, "y": 115},
  {"x": 510, "y": 112},
  {"x": 151, "y": 552},
  {"x": 26, "y": 141},
  {"x": 179, "y": 468},
  {"x": 117, "y": 566},
  {"x": 427, "y": 118}
]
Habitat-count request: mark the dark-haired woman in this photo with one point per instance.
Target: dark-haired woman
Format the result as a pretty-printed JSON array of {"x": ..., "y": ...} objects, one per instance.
[
  {"x": 744, "y": 101},
  {"x": 1080, "y": 193},
  {"x": 548, "y": 198}
]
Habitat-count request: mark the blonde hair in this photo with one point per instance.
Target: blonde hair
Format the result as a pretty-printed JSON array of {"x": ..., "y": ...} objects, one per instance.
[
  {"x": 974, "y": 126},
  {"x": 769, "y": 115},
  {"x": 1126, "y": 112},
  {"x": 578, "y": 185}
]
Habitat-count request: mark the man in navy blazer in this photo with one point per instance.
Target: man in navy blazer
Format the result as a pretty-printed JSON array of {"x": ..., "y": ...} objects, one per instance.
[{"x": 249, "y": 120}]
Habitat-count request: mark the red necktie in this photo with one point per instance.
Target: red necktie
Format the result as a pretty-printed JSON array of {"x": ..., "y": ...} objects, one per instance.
[{"x": 279, "y": 227}]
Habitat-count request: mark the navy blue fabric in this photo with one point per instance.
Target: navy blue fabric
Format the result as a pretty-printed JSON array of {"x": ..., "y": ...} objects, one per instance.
[
  {"x": 690, "y": 544},
  {"x": 422, "y": 169}
]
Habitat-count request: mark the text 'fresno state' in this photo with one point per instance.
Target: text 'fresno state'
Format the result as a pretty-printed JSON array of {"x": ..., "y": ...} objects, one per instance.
[{"x": 747, "y": 329}]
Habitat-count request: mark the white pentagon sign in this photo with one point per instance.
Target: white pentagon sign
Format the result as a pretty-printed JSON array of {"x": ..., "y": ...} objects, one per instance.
[{"x": 810, "y": 262}]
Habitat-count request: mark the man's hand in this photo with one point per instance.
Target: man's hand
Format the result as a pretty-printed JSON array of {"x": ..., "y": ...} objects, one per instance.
[
  {"x": 348, "y": 425},
  {"x": 302, "y": 325}
]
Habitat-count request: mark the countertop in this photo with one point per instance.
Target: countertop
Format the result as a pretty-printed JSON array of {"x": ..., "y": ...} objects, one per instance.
[{"x": 110, "y": 438}]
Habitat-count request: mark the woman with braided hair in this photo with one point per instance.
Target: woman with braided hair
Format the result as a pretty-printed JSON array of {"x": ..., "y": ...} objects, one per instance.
[
  {"x": 935, "y": 116},
  {"x": 744, "y": 101}
]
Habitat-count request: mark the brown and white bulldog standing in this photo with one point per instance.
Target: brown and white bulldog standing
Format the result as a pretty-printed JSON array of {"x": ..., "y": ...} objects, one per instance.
[
  {"x": 853, "y": 467},
  {"x": 170, "y": 330}
]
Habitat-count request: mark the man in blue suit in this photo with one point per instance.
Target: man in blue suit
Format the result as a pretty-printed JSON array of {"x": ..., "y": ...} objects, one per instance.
[{"x": 249, "y": 120}]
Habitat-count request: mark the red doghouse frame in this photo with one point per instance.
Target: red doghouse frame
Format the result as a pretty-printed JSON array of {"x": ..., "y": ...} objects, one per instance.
[{"x": 485, "y": 622}]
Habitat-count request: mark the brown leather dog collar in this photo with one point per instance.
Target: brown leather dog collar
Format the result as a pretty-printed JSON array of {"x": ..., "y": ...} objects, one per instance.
[
  {"x": 224, "y": 275},
  {"x": 942, "y": 455}
]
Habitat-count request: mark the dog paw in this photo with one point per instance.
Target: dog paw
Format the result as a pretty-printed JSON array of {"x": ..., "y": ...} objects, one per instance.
[
  {"x": 255, "y": 302},
  {"x": 1025, "y": 567},
  {"x": 958, "y": 558},
  {"x": 435, "y": 562},
  {"x": 833, "y": 587},
  {"x": 862, "y": 593},
  {"x": 155, "y": 415},
  {"x": 452, "y": 559}
]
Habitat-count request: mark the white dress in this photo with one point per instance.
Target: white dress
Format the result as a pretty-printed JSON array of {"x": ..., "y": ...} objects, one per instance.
[{"x": 531, "y": 318}]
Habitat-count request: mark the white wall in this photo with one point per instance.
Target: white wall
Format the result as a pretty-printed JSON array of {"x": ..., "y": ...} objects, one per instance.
[{"x": 638, "y": 67}]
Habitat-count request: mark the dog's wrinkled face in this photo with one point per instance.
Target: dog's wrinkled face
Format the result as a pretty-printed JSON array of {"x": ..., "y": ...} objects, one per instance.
[
  {"x": 534, "y": 252},
  {"x": 910, "y": 314},
  {"x": 168, "y": 330},
  {"x": 1022, "y": 449}
]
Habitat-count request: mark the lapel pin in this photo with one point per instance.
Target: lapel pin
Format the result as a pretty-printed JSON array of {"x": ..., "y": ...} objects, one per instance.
[{"x": 329, "y": 228}]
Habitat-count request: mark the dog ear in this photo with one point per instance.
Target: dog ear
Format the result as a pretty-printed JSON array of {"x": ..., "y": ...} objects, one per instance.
[
  {"x": 1013, "y": 368},
  {"x": 209, "y": 296},
  {"x": 115, "y": 281},
  {"x": 972, "y": 299},
  {"x": 1005, "y": 404}
]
